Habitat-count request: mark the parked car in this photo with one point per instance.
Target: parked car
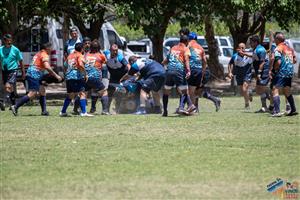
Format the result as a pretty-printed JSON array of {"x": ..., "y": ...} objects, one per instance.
[{"x": 140, "y": 48}]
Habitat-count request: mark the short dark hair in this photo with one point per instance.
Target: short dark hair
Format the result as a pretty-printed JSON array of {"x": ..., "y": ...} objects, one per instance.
[
  {"x": 78, "y": 47},
  {"x": 184, "y": 31},
  {"x": 95, "y": 46},
  {"x": 255, "y": 38},
  {"x": 46, "y": 45},
  {"x": 184, "y": 38},
  {"x": 85, "y": 39}
]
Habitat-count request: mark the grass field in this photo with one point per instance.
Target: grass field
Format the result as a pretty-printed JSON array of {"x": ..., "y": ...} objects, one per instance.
[{"x": 226, "y": 155}]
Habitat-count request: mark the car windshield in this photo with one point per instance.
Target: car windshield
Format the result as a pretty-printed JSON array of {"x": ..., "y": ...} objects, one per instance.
[
  {"x": 171, "y": 43},
  {"x": 202, "y": 42},
  {"x": 138, "y": 48},
  {"x": 227, "y": 52}
]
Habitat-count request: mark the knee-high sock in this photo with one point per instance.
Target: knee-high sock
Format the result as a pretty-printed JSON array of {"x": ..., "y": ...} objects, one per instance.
[
  {"x": 276, "y": 100},
  {"x": 105, "y": 102},
  {"x": 263, "y": 99},
  {"x": 165, "y": 102},
  {"x": 94, "y": 102},
  {"x": 182, "y": 100},
  {"x": 197, "y": 102},
  {"x": 209, "y": 96},
  {"x": 83, "y": 105},
  {"x": 12, "y": 98},
  {"x": 43, "y": 103},
  {"x": 292, "y": 103},
  {"x": 22, "y": 101},
  {"x": 76, "y": 103},
  {"x": 66, "y": 104}
]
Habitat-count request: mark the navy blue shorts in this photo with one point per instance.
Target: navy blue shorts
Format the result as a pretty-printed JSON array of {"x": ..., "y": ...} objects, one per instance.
[
  {"x": 281, "y": 82},
  {"x": 33, "y": 84},
  {"x": 95, "y": 84},
  {"x": 196, "y": 75},
  {"x": 75, "y": 86},
  {"x": 175, "y": 78},
  {"x": 264, "y": 77},
  {"x": 152, "y": 83},
  {"x": 9, "y": 77},
  {"x": 243, "y": 74}
]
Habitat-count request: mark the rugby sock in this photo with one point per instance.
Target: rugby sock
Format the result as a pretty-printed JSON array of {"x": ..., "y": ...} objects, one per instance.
[
  {"x": 165, "y": 102},
  {"x": 276, "y": 100},
  {"x": 209, "y": 96},
  {"x": 182, "y": 100},
  {"x": 12, "y": 98},
  {"x": 197, "y": 103},
  {"x": 66, "y": 104},
  {"x": 82, "y": 103},
  {"x": 188, "y": 99},
  {"x": 263, "y": 99},
  {"x": 43, "y": 103},
  {"x": 104, "y": 102},
  {"x": 94, "y": 101},
  {"x": 22, "y": 101},
  {"x": 76, "y": 103},
  {"x": 292, "y": 103}
]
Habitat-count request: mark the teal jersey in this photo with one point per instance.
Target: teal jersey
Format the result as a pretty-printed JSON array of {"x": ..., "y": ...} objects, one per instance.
[{"x": 10, "y": 58}]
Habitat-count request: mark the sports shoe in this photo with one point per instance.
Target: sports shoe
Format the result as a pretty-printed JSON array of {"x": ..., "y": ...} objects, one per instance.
[
  {"x": 92, "y": 110},
  {"x": 176, "y": 111},
  {"x": 181, "y": 111},
  {"x": 165, "y": 114},
  {"x": 45, "y": 113},
  {"x": 61, "y": 114},
  {"x": 140, "y": 112},
  {"x": 218, "y": 105},
  {"x": 105, "y": 113},
  {"x": 14, "y": 110},
  {"x": 75, "y": 112},
  {"x": 276, "y": 115},
  {"x": 288, "y": 109},
  {"x": 192, "y": 108},
  {"x": 292, "y": 113},
  {"x": 262, "y": 110},
  {"x": 86, "y": 115}
]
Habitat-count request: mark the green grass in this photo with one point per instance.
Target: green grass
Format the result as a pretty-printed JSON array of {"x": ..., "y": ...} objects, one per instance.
[{"x": 226, "y": 155}]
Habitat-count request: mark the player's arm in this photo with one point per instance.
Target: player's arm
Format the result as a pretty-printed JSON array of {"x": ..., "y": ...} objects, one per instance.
[
  {"x": 51, "y": 71},
  {"x": 22, "y": 69},
  {"x": 272, "y": 59}
]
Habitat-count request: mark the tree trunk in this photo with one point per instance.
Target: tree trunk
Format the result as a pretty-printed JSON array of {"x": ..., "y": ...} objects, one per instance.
[
  {"x": 213, "y": 50},
  {"x": 94, "y": 30},
  {"x": 157, "y": 43}
]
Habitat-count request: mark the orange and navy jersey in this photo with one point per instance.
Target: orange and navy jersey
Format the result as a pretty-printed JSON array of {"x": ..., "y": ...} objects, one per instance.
[
  {"x": 75, "y": 66},
  {"x": 37, "y": 66},
  {"x": 197, "y": 54},
  {"x": 93, "y": 64},
  {"x": 95, "y": 59},
  {"x": 286, "y": 55},
  {"x": 39, "y": 59},
  {"x": 176, "y": 57}
]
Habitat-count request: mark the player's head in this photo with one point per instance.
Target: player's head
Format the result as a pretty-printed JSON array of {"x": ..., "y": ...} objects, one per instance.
[
  {"x": 114, "y": 50},
  {"x": 79, "y": 47},
  {"x": 241, "y": 46},
  {"x": 47, "y": 47},
  {"x": 193, "y": 36},
  {"x": 95, "y": 46},
  {"x": 184, "y": 31},
  {"x": 74, "y": 32},
  {"x": 7, "y": 39},
  {"x": 279, "y": 38},
  {"x": 184, "y": 39},
  {"x": 254, "y": 41},
  {"x": 132, "y": 59}
]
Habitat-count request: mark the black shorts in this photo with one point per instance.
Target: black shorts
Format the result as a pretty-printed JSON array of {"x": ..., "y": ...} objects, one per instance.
[
  {"x": 176, "y": 78},
  {"x": 75, "y": 86},
  {"x": 95, "y": 84},
  {"x": 243, "y": 74},
  {"x": 264, "y": 79},
  {"x": 281, "y": 82},
  {"x": 9, "y": 77},
  {"x": 152, "y": 83}
]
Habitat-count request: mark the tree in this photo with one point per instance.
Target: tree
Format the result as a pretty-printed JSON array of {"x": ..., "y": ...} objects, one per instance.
[
  {"x": 153, "y": 16},
  {"x": 246, "y": 17}
]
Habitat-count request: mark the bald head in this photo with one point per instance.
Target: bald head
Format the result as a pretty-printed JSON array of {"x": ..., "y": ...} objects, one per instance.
[
  {"x": 241, "y": 46},
  {"x": 279, "y": 38}
]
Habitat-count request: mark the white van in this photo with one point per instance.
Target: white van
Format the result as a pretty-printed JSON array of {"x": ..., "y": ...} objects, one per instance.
[{"x": 29, "y": 43}]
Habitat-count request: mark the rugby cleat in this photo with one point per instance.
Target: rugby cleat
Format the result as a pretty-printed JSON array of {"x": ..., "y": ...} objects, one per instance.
[
  {"x": 276, "y": 115},
  {"x": 86, "y": 115},
  {"x": 262, "y": 110},
  {"x": 45, "y": 113},
  {"x": 14, "y": 110},
  {"x": 61, "y": 114},
  {"x": 218, "y": 105}
]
